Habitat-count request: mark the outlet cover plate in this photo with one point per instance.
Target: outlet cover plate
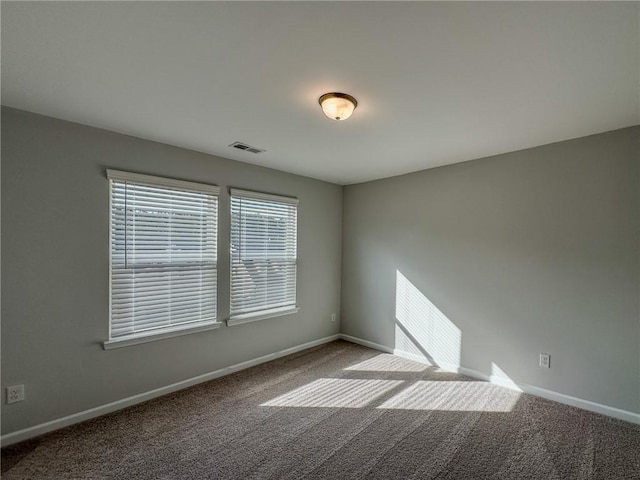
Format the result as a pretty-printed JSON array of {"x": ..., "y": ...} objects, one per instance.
[
  {"x": 15, "y": 394},
  {"x": 545, "y": 360}
]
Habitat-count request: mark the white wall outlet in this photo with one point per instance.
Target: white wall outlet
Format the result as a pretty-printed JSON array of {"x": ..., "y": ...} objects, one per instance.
[
  {"x": 545, "y": 360},
  {"x": 15, "y": 393},
  {"x": 333, "y": 317}
]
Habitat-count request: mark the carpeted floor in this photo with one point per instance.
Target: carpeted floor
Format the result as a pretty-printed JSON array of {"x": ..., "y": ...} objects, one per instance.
[{"x": 339, "y": 411}]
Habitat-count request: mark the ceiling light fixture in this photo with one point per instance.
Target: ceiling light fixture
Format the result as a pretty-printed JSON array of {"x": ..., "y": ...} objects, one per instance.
[{"x": 337, "y": 106}]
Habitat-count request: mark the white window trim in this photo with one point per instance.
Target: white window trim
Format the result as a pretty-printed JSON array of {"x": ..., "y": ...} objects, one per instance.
[
  {"x": 153, "y": 181},
  {"x": 263, "y": 196},
  {"x": 260, "y": 315},
  {"x": 151, "y": 336}
]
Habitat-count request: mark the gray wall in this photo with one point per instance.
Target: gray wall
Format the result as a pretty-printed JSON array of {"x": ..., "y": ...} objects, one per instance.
[
  {"x": 506, "y": 257},
  {"x": 503, "y": 258},
  {"x": 55, "y": 268}
]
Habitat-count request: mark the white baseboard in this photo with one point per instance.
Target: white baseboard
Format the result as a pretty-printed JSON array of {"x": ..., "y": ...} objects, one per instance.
[
  {"x": 46, "y": 427},
  {"x": 365, "y": 343},
  {"x": 507, "y": 382}
]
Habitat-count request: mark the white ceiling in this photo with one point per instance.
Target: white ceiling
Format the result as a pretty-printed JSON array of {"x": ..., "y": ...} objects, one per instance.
[{"x": 437, "y": 83}]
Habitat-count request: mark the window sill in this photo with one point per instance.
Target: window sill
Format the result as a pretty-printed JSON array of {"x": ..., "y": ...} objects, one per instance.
[
  {"x": 145, "y": 337},
  {"x": 261, "y": 315}
]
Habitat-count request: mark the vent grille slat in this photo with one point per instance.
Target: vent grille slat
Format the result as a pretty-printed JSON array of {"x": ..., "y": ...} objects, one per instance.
[{"x": 246, "y": 148}]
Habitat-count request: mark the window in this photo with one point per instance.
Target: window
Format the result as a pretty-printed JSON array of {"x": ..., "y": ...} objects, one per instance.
[
  {"x": 163, "y": 268},
  {"x": 263, "y": 256}
]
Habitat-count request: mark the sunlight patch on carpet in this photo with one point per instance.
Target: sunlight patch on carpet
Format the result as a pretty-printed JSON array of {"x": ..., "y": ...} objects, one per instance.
[
  {"x": 453, "y": 396},
  {"x": 388, "y": 363},
  {"x": 334, "y": 392}
]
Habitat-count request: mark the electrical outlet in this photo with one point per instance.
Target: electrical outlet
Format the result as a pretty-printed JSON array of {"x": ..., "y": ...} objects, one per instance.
[
  {"x": 333, "y": 317},
  {"x": 545, "y": 360},
  {"x": 15, "y": 393}
]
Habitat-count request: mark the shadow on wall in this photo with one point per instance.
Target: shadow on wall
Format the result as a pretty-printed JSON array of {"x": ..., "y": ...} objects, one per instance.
[
  {"x": 423, "y": 332},
  {"x": 388, "y": 382},
  {"x": 422, "y": 329}
]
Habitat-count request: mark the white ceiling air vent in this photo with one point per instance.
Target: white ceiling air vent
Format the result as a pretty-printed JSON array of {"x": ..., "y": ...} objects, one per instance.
[{"x": 247, "y": 148}]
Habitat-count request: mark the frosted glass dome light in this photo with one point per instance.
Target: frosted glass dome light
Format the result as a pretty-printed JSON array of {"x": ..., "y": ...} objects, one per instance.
[{"x": 337, "y": 106}]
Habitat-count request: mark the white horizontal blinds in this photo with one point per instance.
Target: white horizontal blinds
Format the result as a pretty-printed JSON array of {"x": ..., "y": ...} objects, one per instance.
[
  {"x": 263, "y": 251},
  {"x": 163, "y": 253}
]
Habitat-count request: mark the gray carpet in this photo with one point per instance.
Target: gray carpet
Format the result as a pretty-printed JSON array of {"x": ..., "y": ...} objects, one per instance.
[{"x": 339, "y": 411}]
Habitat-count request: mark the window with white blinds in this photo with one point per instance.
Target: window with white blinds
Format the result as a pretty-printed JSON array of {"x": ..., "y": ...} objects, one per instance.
[
  {"x": 263, "y": 254},
  {"x": 163, "y": 239}
]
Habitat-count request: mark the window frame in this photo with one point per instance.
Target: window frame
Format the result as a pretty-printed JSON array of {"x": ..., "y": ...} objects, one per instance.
[{"x": 170, "y": 330}]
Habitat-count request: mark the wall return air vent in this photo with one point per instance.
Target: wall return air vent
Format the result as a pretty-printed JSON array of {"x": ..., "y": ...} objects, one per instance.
[{"x": 247, "y": 148}]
